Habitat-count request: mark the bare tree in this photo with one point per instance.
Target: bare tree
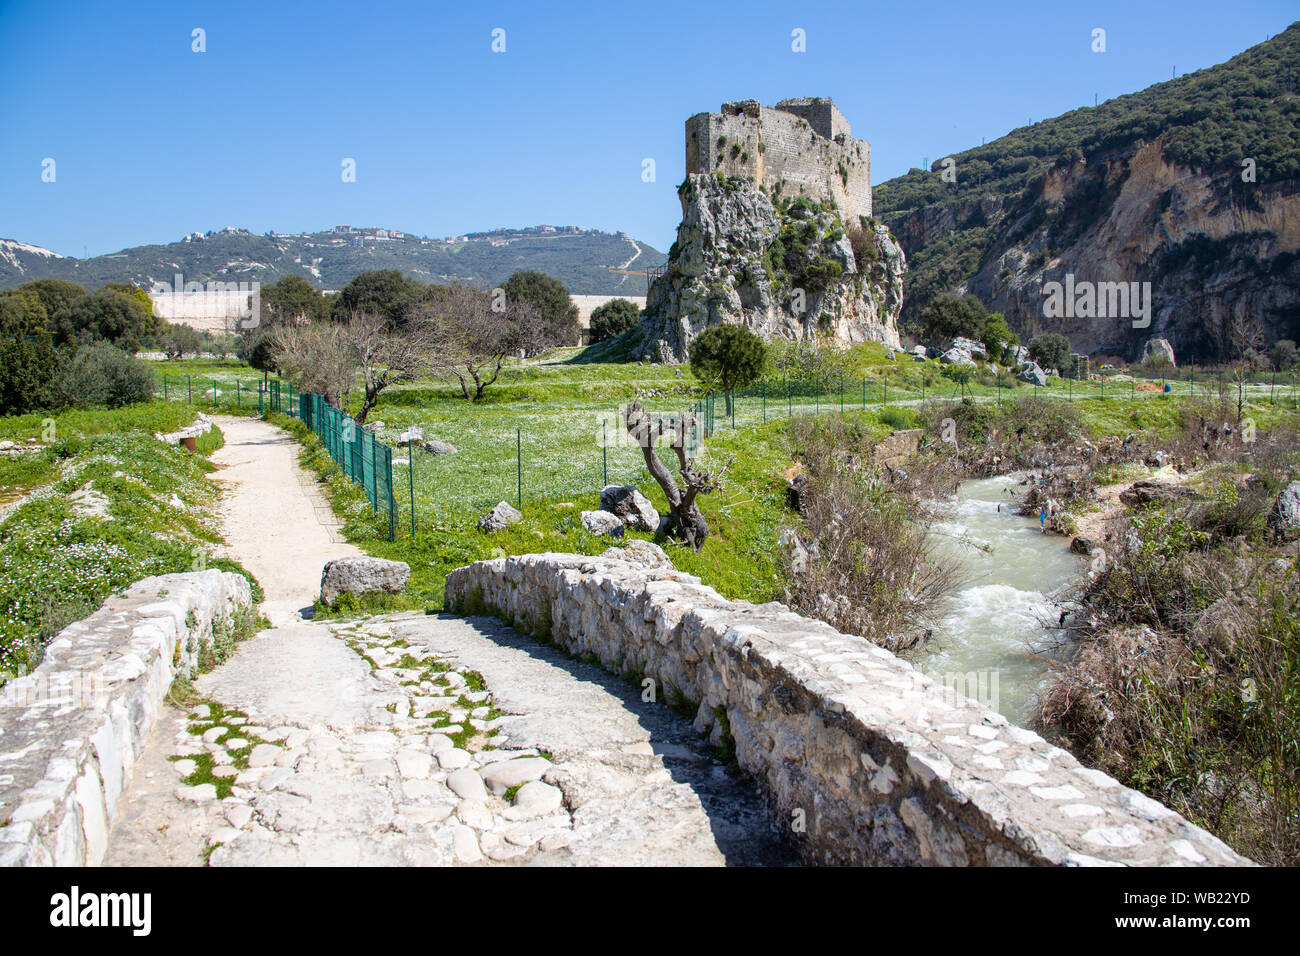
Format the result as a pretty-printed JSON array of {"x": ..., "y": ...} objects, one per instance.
[
  {"x": 318, "y": 357},
  {"x": 386, "y": 356},
  {"x": 684, "y": 517},
  {"x": 474, "y": 340}
]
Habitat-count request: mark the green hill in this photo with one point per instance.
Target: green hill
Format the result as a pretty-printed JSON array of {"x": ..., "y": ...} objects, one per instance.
[
  {"x": 579, "y": 258},
  {"x": 1070, "y": 192}
]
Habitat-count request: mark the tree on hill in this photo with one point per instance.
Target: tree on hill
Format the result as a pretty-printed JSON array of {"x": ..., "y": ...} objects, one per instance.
[
  {"x": 728, "y": 357},
  {"x": 1051, "y": 350},
  {"x": 292, "y": 297},
  {"x": 55, "y": 294},
  {"x": 998, "y": 336},
  {"x": 612, "y": 318},
  {"x": 551, "y": 301},
  {"x": 949, "y": 316},
  {"x": 1284, "y": 355},
  {"x": 112, "y": 316},
  {"x": 384, "y": 292}
]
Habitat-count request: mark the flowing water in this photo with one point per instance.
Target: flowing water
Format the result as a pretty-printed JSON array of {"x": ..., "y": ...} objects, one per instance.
[{"x": 991, "y": 643}]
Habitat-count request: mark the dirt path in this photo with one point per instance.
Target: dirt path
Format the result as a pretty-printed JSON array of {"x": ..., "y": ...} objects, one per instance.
[
  {"x": 411, "y": 739},
  {"x": 274, "y": 520}
]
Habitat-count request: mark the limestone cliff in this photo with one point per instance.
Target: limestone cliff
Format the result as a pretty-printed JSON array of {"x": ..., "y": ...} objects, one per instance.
[
  {"x": 1221, "y": 255},
  {"x": 786, "y": 272},
  {"x": 1187, "y": 192}
]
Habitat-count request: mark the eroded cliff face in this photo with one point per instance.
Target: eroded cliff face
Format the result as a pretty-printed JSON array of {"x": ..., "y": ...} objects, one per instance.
[
  {"x": 1222, "y": 256},
  {"x": 788, "y": 275}
]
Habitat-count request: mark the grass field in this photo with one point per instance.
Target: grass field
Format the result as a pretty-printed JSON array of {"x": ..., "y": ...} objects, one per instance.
[{"x": 100, "y": 505}]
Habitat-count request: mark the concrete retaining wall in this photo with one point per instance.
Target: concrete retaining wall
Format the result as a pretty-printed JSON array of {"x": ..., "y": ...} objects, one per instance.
[
  {"x": 864, "y": 759},
  {"x": 71, "y": 731}
]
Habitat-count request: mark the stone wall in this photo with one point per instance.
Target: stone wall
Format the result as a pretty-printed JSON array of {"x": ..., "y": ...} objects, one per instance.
[
  {"x": 864, "y": 759},
  {"x": 785, "y": 152},
  {"x": 71, "y": 731}
]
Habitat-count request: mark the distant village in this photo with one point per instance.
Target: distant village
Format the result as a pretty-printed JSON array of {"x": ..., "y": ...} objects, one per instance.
[{"x": 357, "y": 237}]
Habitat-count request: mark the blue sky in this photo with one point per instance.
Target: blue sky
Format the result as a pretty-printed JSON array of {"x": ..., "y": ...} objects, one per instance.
[{"x": 152, "y": 140}]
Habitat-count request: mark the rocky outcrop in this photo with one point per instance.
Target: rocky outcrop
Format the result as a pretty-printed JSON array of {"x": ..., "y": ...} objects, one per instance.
[
  {"x": 1284, "y": 516},
  {"x": 362, "y": 575},
  {"x": 782, "y": 274},
  {"x": 1158, "y": 352},
  {"x": 602, "y": 523},
  {"x": 863, "y": 759},
  {"x": 1142, "y": 493},
  {"x": 1222, "y": 257}
]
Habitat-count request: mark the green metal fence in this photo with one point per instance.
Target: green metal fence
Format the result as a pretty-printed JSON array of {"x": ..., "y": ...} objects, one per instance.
[
  {"x": 365, "y": 460},
  {"x": 214, "y": 391}
]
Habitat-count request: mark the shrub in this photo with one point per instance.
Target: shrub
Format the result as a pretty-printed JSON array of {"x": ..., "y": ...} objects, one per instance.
[
  {"x": 728, "y": 357},
  {"x": 1051, "y": 350},
  {"x": 104, "y": 375},
  {"x": 615, "y": 316}
]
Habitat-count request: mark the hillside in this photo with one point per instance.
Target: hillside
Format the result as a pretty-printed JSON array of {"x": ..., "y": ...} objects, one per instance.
[
  {"x": 579, "y": 258},
  {"x": 1147, "y": 187}
]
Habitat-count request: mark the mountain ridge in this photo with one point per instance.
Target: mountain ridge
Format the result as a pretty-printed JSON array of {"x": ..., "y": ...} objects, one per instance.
[
  {"x": 329, "y": 259},
  {"x": 1192, "y": 184}
]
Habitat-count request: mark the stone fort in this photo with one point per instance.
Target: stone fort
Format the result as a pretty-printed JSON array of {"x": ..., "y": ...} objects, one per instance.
[{"x": 802, "y": 147}]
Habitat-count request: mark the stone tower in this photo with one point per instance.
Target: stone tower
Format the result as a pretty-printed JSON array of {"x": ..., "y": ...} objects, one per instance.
[{"x": 802, "y": 147}]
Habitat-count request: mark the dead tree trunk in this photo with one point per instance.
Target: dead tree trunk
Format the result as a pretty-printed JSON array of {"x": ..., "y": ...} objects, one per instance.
[{"x": 685, "y": 520}]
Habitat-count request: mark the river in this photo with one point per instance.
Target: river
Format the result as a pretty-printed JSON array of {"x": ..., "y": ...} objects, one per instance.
[{"x": 991, "y": 643}]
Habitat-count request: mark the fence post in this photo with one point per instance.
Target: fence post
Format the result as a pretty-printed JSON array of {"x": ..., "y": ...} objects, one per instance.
[
  {"x": 374, "y": 471},
  {"x": 410, "y": 469},
  {"x": 731, "y": 400},
  {"x": 789, "y": 402},
  {"x": 764, "y": 401},
  {"x": 519, "y": 462},
  {"x": 189, "y": 389},
  {"x": 841, "y": 394},
  {"x": 164, "y": 387},
  {"x": 604, "y": 447}
]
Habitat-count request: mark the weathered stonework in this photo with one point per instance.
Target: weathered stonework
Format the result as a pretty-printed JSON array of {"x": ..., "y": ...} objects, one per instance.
[
  {"x": 803, "y": 147},
  {"x": 72, "y": 730},
  {"x": 864, "y": 759}
]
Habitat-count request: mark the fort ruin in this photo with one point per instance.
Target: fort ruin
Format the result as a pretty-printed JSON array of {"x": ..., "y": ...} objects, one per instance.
[{"x": 802, "y": 147}]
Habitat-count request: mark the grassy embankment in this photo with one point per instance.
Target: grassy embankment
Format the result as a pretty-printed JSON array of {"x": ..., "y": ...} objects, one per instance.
[{"x": 99, "y": 505}]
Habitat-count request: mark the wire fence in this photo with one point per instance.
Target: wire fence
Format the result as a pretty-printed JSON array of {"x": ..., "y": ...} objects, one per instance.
[
  {"x": 210, "y": 391},
  {"x": 542, "y": 458},
  {"x": 363, "y": 458}
]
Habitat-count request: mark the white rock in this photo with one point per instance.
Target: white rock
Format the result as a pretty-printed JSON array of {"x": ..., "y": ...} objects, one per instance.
[
  {"x": 453, "y": 759},
  {"x": 504, "y": 774},
  {"x": 467, "y": 784},
  {"x": 465, "y": 844}
]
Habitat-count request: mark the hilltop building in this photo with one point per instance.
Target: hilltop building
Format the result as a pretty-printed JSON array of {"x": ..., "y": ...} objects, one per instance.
[{"x": 802, "y": 147}]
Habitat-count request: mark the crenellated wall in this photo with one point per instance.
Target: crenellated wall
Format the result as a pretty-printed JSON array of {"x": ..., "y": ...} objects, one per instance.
[
  {"x": 864, "y": 759},
  {"x": 802, "y": 147}
]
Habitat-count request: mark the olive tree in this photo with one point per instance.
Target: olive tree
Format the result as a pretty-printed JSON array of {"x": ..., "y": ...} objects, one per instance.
[{"x": 728, "y": 357}]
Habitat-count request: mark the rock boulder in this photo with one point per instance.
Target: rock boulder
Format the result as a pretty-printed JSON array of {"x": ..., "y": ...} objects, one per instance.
[
  {"x": 361, "y": 576},
  {"x": 499, "y": 518},
  {"x": 1284, "y": 516},
  {"x": 630, "y": 505}
]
